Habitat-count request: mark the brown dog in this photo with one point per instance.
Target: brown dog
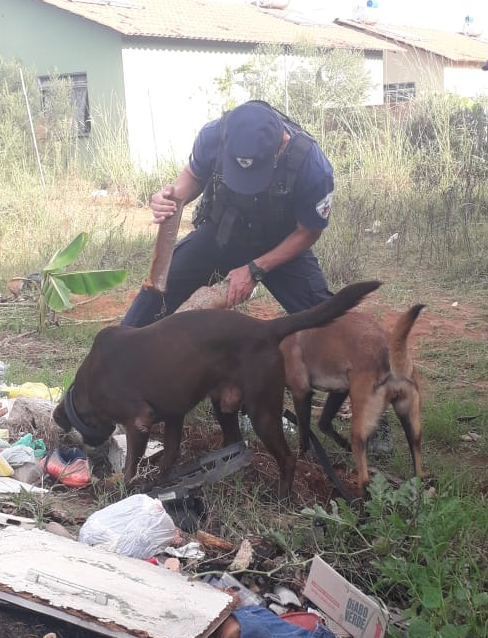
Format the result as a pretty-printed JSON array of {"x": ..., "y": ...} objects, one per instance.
[
  {"x": 141, "y": 376},
  {"x": 355, "y": 356}
]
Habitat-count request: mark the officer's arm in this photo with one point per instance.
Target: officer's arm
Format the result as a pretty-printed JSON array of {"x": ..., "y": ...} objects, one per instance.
[
  {"x": 241, "y": 282},
  {"x": 185, "y": 188},
  {"x": 294, "y": 244}
]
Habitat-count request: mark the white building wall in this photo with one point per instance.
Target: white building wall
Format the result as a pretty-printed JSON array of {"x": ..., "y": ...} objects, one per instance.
[
  {"x": 375, "y": 68},
  {"x": 425, "y": 70},
  {"x": 171, "y": 93},
  {"x": 466, "y": 82}
]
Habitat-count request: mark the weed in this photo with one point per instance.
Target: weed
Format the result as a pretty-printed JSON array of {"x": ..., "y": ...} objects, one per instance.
[
  {"x": 426, "y": 551},
  {"x": 31, "y": 505}
]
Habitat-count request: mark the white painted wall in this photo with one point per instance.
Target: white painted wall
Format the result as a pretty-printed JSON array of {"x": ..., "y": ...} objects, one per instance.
[
  {"x": 466, "y": 82},
  {"x": 375, "y": 68},
  {"x": 414, "y": 65},
  {"x": 171, "y": 93}
]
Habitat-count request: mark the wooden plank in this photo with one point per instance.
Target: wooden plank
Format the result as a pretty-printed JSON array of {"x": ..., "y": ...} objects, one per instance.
[{"x": 108, "y": 593}]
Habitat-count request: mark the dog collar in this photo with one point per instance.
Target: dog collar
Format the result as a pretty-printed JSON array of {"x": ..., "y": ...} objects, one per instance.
[{"x": 74, "y": 419}]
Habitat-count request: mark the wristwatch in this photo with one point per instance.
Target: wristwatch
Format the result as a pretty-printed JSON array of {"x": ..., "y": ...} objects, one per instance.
[{"x": 257, "y": 273}]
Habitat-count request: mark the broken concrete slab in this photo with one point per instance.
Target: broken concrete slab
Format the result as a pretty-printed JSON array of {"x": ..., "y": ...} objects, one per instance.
[
  {"x": 12, "y": 486},
  {"x": 19, "y": 521},
  {"x": 108, "y": 593}
]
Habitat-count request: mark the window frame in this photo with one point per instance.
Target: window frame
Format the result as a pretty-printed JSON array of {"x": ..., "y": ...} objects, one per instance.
[
  {"x": 79, "y": 98},
  {"x": 395, "y": 92}
]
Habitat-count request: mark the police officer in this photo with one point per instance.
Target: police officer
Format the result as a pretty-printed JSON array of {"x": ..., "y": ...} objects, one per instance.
[{"x": 267, "y": 194}]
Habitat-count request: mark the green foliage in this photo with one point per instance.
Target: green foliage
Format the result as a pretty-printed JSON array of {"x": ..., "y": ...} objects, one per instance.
[
  {"x": 31, "y": 505},
  {"x": 16, "y": 148},
  {"x": 57, "y": 285},
  {"x": 426, "y": 551},
  {"x": 451, "y": 130},
  {"x": 446, "y": 418},
  {"x": 317, "y": 82},
  {"x": 50, "y": 131}
]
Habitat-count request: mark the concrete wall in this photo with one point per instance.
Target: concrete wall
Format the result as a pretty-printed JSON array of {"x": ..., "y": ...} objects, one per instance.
[
  {"x": 47, "y": 40},
  {"x": 466, "y": 82},
  {"x": 170, "y": 94},
  {"x": 424, "y": 69}
]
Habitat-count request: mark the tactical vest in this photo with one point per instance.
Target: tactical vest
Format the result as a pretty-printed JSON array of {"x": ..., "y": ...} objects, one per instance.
[{"x": 260, "y": 221}]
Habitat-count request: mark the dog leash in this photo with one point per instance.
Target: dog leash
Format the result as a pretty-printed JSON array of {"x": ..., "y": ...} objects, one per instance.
[{"x": 322, "y": 458}]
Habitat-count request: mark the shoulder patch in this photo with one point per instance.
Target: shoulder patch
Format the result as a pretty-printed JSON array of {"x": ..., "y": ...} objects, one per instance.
[{"x": 323, "y": 207}]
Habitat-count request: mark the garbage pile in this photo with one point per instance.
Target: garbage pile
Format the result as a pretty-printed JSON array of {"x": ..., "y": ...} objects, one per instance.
[
  {"x": 29, "y": 459},
  {"x": 148, "y": 527}
]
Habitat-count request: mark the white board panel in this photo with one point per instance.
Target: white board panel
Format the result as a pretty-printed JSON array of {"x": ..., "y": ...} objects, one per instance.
[{"x": 106, "y": 592}]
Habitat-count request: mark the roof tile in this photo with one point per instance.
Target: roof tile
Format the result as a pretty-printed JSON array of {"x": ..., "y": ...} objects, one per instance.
[
  {"x": 206, "y": 20},
  {"x": 456, "y": 47}
]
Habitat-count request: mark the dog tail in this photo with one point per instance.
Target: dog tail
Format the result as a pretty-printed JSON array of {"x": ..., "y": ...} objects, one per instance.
[
  {"x": 400, "y": 360},
  {"x": 325, "y": 312}
]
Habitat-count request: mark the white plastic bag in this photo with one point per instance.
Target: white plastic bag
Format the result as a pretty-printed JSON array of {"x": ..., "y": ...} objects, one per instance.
[
  {"x": 17, "y": 455},
  {"x": 137, "y": 526}
]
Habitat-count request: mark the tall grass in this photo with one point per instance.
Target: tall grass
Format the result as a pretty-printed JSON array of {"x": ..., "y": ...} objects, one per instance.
[
  {"x": 90, "y": 187},
  {"x": 419, "y": 171},
  {"x": 422, "y": 174}
]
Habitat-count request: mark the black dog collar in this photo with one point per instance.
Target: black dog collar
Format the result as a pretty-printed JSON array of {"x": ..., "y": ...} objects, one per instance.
[
  {"x": 72, "y": 415},
  {"x": 90, "y": 434}
]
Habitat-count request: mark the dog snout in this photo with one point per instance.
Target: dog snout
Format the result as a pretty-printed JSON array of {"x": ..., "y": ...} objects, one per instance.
[
  {"x": 61, "y": 418},
  {"x": 96, "y": 440}
]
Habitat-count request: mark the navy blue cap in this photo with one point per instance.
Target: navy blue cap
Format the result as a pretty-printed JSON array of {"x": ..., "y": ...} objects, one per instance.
[
  {"x": 485, "y": 66},
  {"x": 253, "y": 133}
]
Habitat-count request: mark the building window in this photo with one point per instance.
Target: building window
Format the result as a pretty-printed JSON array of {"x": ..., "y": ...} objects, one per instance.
[
  {"x": 72, "y": 89},
  {"x": 400, "y": 92}
]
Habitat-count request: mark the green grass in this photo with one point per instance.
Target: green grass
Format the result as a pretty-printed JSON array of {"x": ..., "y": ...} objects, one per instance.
[{"x": 52, "y": 359}]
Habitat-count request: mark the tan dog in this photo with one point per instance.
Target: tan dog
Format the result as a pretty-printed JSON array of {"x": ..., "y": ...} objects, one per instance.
[{"x": 355, "y": 356}]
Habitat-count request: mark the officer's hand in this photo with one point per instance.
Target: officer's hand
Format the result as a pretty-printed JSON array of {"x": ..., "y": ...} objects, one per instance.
[
  {"x": 162, "y": 205},
  {"x": 241, "y": 285}
]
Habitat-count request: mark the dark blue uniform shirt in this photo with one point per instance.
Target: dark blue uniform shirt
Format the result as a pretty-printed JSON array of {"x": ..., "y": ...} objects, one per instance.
[{"x": 314, "y": 186}]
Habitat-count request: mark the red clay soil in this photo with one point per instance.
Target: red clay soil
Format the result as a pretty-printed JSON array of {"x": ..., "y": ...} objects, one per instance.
[{"x": 447, "y": 322}]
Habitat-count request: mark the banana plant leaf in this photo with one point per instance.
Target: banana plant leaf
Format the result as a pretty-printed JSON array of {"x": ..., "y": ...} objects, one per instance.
[
  {"x": 63, "y": 258},
  {"x": 56, "y": 294},
  {"x": 91, "y": 283}
]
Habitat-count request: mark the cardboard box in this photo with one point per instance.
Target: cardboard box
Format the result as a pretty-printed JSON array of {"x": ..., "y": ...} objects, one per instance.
[{"x": 357, "y": 614}]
